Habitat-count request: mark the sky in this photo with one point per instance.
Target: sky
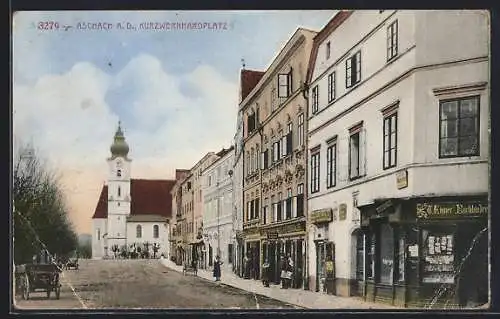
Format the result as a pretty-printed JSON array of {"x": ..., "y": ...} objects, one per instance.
[{"x": 175, "y": 91}]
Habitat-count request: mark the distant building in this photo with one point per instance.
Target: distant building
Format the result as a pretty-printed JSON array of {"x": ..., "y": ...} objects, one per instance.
[
  {"x": 130, "y": 211},
  {"x": 398, "y": 156},
  {"x": 217, "y": 211}
]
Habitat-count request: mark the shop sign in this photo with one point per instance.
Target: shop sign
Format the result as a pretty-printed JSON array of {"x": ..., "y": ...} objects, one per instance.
[
  {"x": 383, "y": 206},
  {"x": 287, "y": 229},
  {"x": 450, "y": 210},
  {"x": 402, "y": 179},
  {"x": 342, "y": 212},
  {"x": 272, "y": 235},
  {"x": 329, "y": 267},
  {"x": 321, "y": 216}
]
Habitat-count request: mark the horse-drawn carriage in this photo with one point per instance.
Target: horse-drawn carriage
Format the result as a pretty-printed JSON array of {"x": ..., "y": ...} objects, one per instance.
[{"x": 32, "y": 277}]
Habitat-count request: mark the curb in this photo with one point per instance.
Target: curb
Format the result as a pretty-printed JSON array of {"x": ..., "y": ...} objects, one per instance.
[{"x": 298, "y": 307}]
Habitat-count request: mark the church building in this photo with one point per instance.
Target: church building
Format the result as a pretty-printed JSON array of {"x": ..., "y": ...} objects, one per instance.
[{"x": 130, "y": 212}]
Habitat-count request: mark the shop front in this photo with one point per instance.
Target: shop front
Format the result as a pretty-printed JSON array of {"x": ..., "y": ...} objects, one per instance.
[
  {"x": 251, "y": 259},
  {"x": 325, "y": 251},
  {"x": 426, "y": 252},
  {"x": 284, "y": 240}
]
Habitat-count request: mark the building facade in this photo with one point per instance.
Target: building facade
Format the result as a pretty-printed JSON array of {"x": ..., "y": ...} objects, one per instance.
[
  {"x": 274, "y": 162},
  {"x": 131, "y": 214},
  {"x": 218, "y": 212},
  {"x": 176, "y": 247},
  {"x": 398, "y": 153}
]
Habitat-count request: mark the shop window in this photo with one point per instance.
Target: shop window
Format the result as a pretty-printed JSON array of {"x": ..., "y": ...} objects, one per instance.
[
  {"x": 360, "y": 256},
  {"x": 438, "y": 256},
  {"x": 386, "y": 265},
  {"x": 401, "y": 259},
  {"x": 370, "y": 256}
]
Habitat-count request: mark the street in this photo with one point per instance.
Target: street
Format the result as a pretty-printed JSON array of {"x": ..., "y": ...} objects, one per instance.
[{"x": 143, "y": 284}]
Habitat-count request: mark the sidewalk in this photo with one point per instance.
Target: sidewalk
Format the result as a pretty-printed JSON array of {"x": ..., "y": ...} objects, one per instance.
[{"x": 299, "y": 297}]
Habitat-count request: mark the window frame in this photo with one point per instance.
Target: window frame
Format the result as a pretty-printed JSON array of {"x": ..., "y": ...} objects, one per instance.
[
  {"x": 315, "y": 99},
  {"x": 356, "y": 59},
  {"x": 301, "y": 129},
  {"x": 388, "y": 120},
  {"x": 315, "y": 172},
  {"x": 392, "y": 40},
  {"x": 328, "y": 50},
  {"x": 331, "y": 165},
  {"x": 478, "y": 124},
  {"x": 138, "y": 231},
  {"x": 358, "y": 133},
  {"x": 332, "y": 79},
  {"x": 156, "y": 231}
]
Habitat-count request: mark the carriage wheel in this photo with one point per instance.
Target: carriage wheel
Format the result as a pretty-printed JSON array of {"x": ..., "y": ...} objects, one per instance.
[{"x": 58, "y": 291}]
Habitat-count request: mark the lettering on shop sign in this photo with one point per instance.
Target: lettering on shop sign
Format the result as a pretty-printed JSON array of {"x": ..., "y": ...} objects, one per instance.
[
  {"x": 342, "y": 212},
  {"x": 321, "y": 216},
  {"x": 272, "y": 235},
  {"x": 449, "y": 210},
  {"x": 286, "y": 229}
]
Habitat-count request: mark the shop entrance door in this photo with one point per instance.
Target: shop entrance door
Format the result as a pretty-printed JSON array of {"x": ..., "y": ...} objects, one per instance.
[
  {"x": 298, "y": 264},
  {"x": 277, "y": 260},
  {"x": 320, "y": 266}
]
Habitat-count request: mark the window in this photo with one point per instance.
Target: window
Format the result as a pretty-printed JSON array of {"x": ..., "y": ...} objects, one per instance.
[
  {"x": 156, "y": 231},
  {"x": 119, "y": 191},
  {"x": 390, "y": 140},
  {"x": 264, "y": 211},
  {"x": 251, "y": 121},
  {"x": 230, "y": 253},
  {"x": 328, "y": 50},
  {"x": 274, "y": 209},
  {"x": 353, "y": 69},
  {"x": 301, "y": 129},
  {"x": 285, "y": 84},
  {"x": 331, "y": 165},
  {"x": 392, "y": 40},
  {"x": 264, "y": 159},
  {"x": 280, "y": 198},
  {"x": 98, "y": 234},
  {"x": 315, "y": 172},
  {"x": 459, "y": 127},
  {"x": 273, "y": 99},
  {"x": 300, "y": 200},
  {"x": 315, "y": 99},
  {"x": 119, "y": 173},
  {"x": 256, "y": 208},
  {"x": 138, "y": 231},
  {"x": 288, "y": 204},
  {"x": 386, "y": 261},
  {"x": 371, "y": 241},
  {"x": 331, "y": 87},
  {"x": 354, "y": 157}
]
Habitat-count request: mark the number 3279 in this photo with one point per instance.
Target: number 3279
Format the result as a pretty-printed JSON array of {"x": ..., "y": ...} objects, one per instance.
[{"x": 48, "y": 25}]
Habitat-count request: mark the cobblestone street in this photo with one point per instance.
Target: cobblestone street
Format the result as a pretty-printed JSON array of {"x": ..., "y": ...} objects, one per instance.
[{"x": 143, "y": 284}]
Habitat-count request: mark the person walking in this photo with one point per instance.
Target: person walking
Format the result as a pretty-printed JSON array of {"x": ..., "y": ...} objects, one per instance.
[
  {"x": 265, "y": 273},
  {"x": 289, "y": 271},
  {"x": 217, "y": 270},
  {"x": 283, "y": 276}
]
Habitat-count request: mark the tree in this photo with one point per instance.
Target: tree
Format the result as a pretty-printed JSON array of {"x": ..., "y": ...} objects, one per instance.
[
  {"x": 85, "y": 250},
  {"x": 40, "y": 211}
]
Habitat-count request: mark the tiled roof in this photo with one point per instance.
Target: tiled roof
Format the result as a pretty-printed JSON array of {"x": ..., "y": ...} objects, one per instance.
[
  {"x": 146, "y": 218},
  {"x": 101, "y": 210},
  {"x": 249, "y": 80},
  {"x": 149, "y": 197},
  {"x": 337, "y": 20}
]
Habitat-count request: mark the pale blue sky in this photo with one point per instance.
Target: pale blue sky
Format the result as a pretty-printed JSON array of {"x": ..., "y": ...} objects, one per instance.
[{"x": 175, "y": 91}]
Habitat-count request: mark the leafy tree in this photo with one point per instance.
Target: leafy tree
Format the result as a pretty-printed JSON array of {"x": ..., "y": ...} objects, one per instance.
[{"x": 39, "y": 209}]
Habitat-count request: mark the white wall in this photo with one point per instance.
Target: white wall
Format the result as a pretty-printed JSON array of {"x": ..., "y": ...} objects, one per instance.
[
  {"x": 98, "y": 226},
  {"x": 147, "y": 235}
]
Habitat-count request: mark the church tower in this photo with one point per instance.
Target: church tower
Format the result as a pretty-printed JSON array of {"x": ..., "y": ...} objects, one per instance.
[{"x": 118, "y": 190}]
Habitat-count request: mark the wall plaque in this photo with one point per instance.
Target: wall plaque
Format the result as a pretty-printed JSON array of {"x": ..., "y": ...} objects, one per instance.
[
  {"x": 342, "y": 212},
  {"x": 321, "y": 216},
  {"x": 402, "y": 179}
]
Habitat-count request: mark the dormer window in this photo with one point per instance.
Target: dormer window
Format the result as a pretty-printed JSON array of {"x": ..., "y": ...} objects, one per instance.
[{"x": 119, "y": 172}]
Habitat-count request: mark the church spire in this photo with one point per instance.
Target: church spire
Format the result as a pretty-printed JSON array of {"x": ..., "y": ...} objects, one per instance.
[{"x": 119, "y": 146}]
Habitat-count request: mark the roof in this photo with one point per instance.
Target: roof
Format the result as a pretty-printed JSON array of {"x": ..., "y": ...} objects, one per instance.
[
  {"x": 147, "y": 218},
  {"x": 337, "y": 20},
  {"x": 224, "y": 151},
  {"x": 149, "y": 197},
  {"x": 248, "y": 80}
]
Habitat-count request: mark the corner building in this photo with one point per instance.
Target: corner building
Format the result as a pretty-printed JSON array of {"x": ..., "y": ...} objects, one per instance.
[
  {"x": 398, "y": 157},
  {"x": 274, "y": 162}
]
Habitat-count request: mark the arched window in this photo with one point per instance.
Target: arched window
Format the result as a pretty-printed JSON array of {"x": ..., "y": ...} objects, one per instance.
[
  {"x": 119, "y": 172},
  {"x": 119, "y": 191},
  {"x": 138, "y": 231},
  {"x": 156, "y": 231}
]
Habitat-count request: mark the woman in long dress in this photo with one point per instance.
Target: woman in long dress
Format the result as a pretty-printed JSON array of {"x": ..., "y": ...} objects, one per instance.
[{"x": 217, "y": 271}]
